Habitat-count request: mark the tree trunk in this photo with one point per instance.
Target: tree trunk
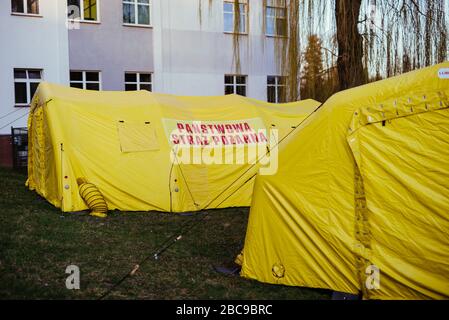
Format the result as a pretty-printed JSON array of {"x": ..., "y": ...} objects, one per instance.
[{"x": 350, "y": 44}]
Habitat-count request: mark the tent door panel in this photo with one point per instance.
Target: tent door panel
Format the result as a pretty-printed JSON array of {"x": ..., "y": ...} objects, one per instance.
[{"x": 404, "y": 164}]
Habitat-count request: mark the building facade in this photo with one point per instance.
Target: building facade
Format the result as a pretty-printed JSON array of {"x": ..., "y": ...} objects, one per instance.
[
  {"x": 184, "y": 47},
  {"x": 34, "y": 42}
]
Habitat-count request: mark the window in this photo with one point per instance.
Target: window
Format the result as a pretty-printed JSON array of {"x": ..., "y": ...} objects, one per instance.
[
  {"x": 235, "y": 84},
  {"x": 229, "y": 13},
  {"x": 89, "y": 80},
  {"x": 276, "y": 89},
  {"x": 276, "y": 18},
  {"x": 85, "y": 10},
  {"x": 25, "y": 6},
  {"x": 137, "y": 12},
  {"x": 138, "y": 81},
  {"x": 26, "y": 82}
]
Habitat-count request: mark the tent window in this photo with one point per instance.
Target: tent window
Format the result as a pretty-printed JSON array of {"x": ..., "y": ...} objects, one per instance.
[{"x": 137, "y": 137}]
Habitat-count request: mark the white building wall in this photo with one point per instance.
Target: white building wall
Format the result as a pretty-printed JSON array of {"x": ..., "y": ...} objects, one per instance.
[
  {"x": 110, "y": 47},
  {"x": 31, "y": 42},
  {"x": 191, "y": 58}
]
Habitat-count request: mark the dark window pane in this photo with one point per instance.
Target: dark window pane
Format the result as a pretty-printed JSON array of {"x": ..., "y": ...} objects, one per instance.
[
  {"x": 93, "y": 86},
  {"x": 76, "y": 85},
  {"x": 17, "y": 6},
  {"x": 271, "y": 94},
  {"x": 279, "y": 12},
  {"x": 241, "y": 79},
  {"x": 282, "y": 81},
  {"x": 129, "y": 15},
  {"x": 241, "y": 90},
  {"x": 281, "y": 27},
  {"x": 229, "y": 89},
  {"x": 281, "y": 94},
  {"x": 20, "y": 74},
  {"x": 143, "y": 14},
  {"x": 33, "y": 88},
  {"x": 145, "y": 77},
  {"x": 34, "y": 74},
  {"x": 76, "y": 76},
  {"x": 73, "y": 9},
  {"x": 92, "y": 76},
  {"x": 75, "y": 3},
  {"x": 271, "y": 80},
  {"x": 130, "y": 87},
  {"x": 145, "y": 87},
  {"x": 20, "y": 92},
  {"x": 33, "y": 6},
  {"x": 130, "y": 77},
  {"x": 229, "y": 79}
]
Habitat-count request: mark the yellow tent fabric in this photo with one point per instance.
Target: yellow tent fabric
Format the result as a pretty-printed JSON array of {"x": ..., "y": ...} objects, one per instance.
[
  {"x": 360, "y": 202},
  {"x": 122, "y": 143}
]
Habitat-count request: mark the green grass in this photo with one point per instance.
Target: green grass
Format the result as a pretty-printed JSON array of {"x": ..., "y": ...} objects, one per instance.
[{"x": 38, "y": 242}]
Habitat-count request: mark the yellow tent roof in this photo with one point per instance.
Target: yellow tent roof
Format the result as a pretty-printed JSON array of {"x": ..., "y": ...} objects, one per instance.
[
  {"x": 362, "y": 190},
  {"x": 123, "y": 143}
]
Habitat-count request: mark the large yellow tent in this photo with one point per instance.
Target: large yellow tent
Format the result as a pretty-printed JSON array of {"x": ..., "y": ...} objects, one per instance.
[
  {"x": 360, "y": 202},
  {"x": 124, "y": 143}
]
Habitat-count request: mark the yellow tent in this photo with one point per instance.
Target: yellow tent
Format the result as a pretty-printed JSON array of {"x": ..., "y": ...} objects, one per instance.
[
  {"x": 124, "y": 143},
  {"x": 360, "y": 202}
]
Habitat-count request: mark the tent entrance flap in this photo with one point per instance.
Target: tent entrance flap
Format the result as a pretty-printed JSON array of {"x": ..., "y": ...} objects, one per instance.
[{"x": 403, "y": 165}]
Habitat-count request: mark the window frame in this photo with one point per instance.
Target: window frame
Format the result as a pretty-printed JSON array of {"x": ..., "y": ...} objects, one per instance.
[
  {"x": 138, "y": 82},
  {"x": 246, "y": 13},
  {"x": 276, "y": 7},
  {"x": 277, "y": 85},
  {"x": 84, "y": 82},
  {"x": 82, "y": 18},
  {"x": 27, "y": 82},
  {"x": 136, "y": 13},
  {"x": 235, "y": 85},
  {"x": 25, "y": 10}
]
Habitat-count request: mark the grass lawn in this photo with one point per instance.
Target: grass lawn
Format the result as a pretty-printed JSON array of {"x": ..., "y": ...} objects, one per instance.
[{"x": 38, "y": 242}]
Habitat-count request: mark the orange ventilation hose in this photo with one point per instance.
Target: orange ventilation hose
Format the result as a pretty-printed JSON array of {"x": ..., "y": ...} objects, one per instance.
[{"x": 93, "y": 198}]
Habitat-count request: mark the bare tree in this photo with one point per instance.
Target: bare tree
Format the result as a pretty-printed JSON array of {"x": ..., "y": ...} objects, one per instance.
[{"x": 363, "y": 39}]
